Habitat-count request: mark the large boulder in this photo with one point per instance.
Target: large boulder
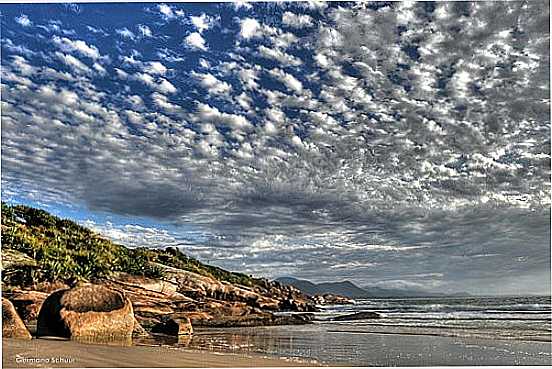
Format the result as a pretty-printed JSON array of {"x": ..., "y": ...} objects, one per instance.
[
  {"x": 86, "y": 311},
  {"x": 12, "y": 325}
]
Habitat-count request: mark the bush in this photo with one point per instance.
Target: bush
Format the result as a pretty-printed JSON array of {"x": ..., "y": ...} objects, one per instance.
[{"x": 64, "y": 250}]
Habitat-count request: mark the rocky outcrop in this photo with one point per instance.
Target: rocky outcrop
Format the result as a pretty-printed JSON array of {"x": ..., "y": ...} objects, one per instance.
[
  {"x": 12, "y": 325},
  {"x": 206, "y": 301},
  {"x": 270, "y": 296},
  {"x": 357, "y": 316},
  {"x": 131, "y": 306},
  {"x": 331, "y": 299},
  {"x": 86, "y": 311}
]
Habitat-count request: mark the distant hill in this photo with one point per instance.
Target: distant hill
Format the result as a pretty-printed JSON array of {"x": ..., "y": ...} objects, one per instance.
[
  {"x": 344, "y": 288},
  {"x": 349, "y": 289},
  {"x": 305, "y": 286}
]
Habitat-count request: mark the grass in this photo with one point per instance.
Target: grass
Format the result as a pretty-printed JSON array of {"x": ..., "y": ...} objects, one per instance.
[{"x": 64, "y": 251}]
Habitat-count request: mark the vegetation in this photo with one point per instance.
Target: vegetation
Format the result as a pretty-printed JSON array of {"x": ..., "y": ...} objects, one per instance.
[{"x": 63, "y": 251}]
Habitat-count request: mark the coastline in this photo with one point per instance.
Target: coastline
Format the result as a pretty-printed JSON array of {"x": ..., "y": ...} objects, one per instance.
[
  {"x": 66, "y": 354},
  {"x": 385, "y": 348},
  {"x": 379, "y": 350}
]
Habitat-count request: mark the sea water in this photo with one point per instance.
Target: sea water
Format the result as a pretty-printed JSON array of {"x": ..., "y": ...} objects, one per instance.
[
  {"x": 513, "y": 317},
  {"x": 411, "y": 332}
]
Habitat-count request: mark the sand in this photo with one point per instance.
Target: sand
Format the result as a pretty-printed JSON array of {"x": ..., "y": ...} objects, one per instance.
[{"x": 40, "y": 353}]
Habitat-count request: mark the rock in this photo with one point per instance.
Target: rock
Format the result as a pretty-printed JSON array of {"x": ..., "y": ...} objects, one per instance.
[
  {"x": 331, "y": 299},
  {"x": 151, "y": 299},
  {"x": 12, "y": 325},
  {"x": 200, "y": 287},
  {"x": 86, "y": 312},
  {"x": 13, "y": 259},
  {"x": 200, "y": 318},
  {"x": 138, "y": 330},
  {"x": 357, "y": 316},
  {"x": 294, "y": 319},
  {"x": 177, "y": 326},
  {"x": 49, "y": 287},
  {"x": 28, "y": 303}
]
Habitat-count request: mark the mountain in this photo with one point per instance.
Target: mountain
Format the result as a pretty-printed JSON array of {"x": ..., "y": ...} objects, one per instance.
[
  {"x": 344, "y": 288},
  {"x": 349, "y": 289}
]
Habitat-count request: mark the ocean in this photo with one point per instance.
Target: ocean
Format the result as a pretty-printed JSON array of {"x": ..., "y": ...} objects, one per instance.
[
  {"x": 411, "y": 332},
  {"x": 522, "y": 318}
]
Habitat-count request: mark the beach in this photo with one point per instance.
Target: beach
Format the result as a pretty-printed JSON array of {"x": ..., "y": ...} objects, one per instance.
[
  {"x": 282, "y": 348},
  {"x": 469, "y": 331},
  {"x": 346, "y": 348},
  {"x": 41, "y": 353}
]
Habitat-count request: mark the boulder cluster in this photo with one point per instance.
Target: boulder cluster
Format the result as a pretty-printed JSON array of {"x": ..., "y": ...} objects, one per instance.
[{"x": 127, "y": 306}]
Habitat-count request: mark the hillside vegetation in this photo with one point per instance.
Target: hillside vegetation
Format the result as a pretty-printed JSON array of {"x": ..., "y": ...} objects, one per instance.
[{"x": 39, "y": 247}]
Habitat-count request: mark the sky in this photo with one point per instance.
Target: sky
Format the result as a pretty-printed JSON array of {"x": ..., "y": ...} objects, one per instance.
[{"x": 399, "y": 145}]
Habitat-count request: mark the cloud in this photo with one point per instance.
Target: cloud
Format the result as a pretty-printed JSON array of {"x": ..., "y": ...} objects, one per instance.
[
  {"x": 213, "y": 85},
  {"x": 156, "y": 83},
  {"x": 288, "y": 80},
  {"x": 296, "y": 20},
  {"x": 73, "y": 62},
  {"x": 23, "y": 20},
  {"x": 134, "y": 235},
  {"x": 241, "y": 4},
  {"x": 145, "y": 31},
  {"x": 155, "y": 67},
  {"x": 249, "y": 28},
  {"x": 166, "y": 11},
  {"x": 202, "y": 22},
  {"x": 22, "y": 66},
  {"x": 126, "y": 33},
  {"x": 166, "y": 87},
  {"x": 196, "y": 41},
  {"x": 280, "y": 56},
  {"x": 416, "y": 144},
  {"x": 99, "y": 68},
  {"x": 79, "y": 46}
]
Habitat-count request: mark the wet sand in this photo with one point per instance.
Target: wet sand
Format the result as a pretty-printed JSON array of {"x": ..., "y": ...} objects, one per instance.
[
  {"x": 336, "y": 345},
  {"x": 41, "y": 353}
]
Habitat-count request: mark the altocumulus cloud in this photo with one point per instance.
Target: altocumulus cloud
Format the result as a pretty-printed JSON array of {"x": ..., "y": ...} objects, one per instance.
[{"x": 402, "y": 144}]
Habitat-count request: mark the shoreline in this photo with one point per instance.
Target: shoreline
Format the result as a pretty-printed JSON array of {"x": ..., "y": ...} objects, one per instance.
[
  {"x": 41, "y": 353},
  {"x": 386, "y": 349}
]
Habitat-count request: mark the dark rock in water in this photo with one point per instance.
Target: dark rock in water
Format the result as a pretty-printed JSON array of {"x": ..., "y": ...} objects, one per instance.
[
  {"x": 357, "y": 316},
  {"x": 12, "y": 325},
  {"x": 86, "y": 312},
  {"x": 175, "y": 326},
  {"x": 294, "y": 319}
]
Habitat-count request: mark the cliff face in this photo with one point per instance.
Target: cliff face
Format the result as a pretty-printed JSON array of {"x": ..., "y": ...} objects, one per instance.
[{"x": 42, "y": 253}]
